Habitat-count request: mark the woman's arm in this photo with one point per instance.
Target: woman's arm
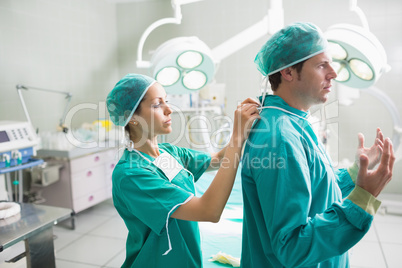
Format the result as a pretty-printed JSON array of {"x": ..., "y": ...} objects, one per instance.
[
  {"x": 210, "y": 205},
  {"x": 216, "y": 159}
]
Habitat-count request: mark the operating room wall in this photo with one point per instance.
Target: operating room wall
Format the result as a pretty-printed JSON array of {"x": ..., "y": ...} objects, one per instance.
[
  {"x": 67, "y": 45},
  {"x": 214, "y": 21}
]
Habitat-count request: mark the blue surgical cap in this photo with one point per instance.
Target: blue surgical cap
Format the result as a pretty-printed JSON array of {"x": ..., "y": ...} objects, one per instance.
[
  {"x": 291, "y": 45},
  {"x": 125, "y": 97}
]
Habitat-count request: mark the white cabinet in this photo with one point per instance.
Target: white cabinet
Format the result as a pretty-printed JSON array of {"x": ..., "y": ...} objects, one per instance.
[
  {"x": 91, "y": 177},
  {"x": 85, "y": 180}
]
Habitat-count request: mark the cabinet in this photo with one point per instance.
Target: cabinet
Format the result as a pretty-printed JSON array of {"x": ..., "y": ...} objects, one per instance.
[{"x": 85, "y": 179}]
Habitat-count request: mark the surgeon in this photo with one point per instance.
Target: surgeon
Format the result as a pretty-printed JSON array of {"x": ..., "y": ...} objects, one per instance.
[
  {"x": 153, "y": 184},
  {"x": 298, "y": 210}
]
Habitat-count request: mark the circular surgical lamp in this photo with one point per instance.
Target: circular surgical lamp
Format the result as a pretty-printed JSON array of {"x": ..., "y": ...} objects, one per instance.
[
  {"x": 183, "y": 65},
  {"x": 358, "y": 57}
]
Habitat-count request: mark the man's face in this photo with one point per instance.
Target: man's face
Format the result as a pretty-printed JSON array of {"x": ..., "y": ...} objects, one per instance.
[{"x": 314, "y": 81}]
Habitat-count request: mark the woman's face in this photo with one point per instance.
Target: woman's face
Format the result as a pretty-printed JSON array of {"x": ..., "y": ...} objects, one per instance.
[{"x": 154, "y": 113}]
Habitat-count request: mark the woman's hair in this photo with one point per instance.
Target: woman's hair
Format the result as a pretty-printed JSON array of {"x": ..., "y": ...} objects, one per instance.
[
  {"x": 137, "y": 111},
  {"x": 275, "y": 79},
  {"x": 127, "y": 128}
]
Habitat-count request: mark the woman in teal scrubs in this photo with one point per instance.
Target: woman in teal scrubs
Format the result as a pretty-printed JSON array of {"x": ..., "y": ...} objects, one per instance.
[{"x": 153, "y": 184}]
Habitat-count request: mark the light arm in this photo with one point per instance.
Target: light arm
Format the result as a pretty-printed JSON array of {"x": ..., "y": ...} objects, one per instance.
[
  {"x": 271, "y": 23},
  {"x": 68, "y": 97}
]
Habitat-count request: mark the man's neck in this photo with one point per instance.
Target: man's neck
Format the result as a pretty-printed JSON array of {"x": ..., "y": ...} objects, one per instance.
[{"x": 293, "y": 100}]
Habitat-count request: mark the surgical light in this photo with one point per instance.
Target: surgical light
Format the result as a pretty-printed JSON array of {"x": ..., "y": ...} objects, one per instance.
[
  {"x": 190, "y": 59},
  {"x": 341, "y": 70},
  {"x": 191, "y": 67},
  {"x": 183, "y": 65},
  {"x": 358, "y": 56},
  {"x": 337, "y": 51},
  {"x": 168, "y": 76},
  {"x": 194, "y": 80},
  {"x": 361, "y": 69}
]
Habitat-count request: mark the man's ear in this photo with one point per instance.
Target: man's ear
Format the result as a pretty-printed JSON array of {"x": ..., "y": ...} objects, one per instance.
[{"x": 288, "y": 74}]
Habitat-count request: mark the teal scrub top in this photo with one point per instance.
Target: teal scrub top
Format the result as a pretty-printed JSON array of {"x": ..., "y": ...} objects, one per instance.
[
  {"x": 295, "y": 211},
  {"x": 144, "y": 198}
]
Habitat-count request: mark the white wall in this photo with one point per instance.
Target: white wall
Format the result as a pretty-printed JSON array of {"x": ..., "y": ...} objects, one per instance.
[
  {"x": 214, "y": 21},
  {"x": 66, "y": 45},
  {"x": 85, "y": 46}
]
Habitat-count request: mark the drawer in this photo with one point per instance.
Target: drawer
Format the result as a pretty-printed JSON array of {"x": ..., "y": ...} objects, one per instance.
[
  {"x": 87, "y": 181},
  {"x": 109, "y": 167},
  {"x": 79, "y": 164},
  {"x": 89, "y": 200},
  {"x": 112, "y": 155}
]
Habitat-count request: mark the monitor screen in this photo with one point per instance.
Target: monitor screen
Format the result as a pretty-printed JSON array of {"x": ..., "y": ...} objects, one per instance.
[{"x": 4, "y": 137}]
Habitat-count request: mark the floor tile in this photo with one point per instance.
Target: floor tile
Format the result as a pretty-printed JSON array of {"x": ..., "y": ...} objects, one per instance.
[
  {"x": 367, "y": 255},
  {"x": 389, "y": 232},
  {"x": 393, "y": 255},
  {"x": 19, "y": 264},
  {"x": 114, "y": 227},
  {"x": 117, "y": 261},
  {"x": 105, "y": 208},
  {"x": 12, "y": 252},
  {"x": 93, "y": 250},
  {"x": 86, "y": 221},
  {"x": 63, "y": 237},
  {"x": 371, "y": 235},
  {"x": 69, "y": 264}
]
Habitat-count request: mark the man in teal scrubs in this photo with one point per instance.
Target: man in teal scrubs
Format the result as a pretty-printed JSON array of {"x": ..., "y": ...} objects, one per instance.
[{"x": 298, "y": 210}]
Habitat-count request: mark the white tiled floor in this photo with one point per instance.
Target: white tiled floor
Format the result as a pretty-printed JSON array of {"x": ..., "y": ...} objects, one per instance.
[
  {"x": 99, "y": 241},
  {"x": 382, "y": 245}
]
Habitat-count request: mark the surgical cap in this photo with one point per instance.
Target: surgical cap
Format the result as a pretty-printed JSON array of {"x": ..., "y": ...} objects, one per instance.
[
  {"x": 291, "y": 45},
  {"x": 125, "y": 97}
]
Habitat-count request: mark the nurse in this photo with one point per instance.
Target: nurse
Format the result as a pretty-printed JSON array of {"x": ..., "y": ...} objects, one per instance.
[
  {"x": 298, "y": 210},
  {"x": 153, "y": 184}
]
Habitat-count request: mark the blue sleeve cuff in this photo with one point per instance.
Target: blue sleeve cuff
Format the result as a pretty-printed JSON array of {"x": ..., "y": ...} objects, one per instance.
[{"x": 357, "y": 216}]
